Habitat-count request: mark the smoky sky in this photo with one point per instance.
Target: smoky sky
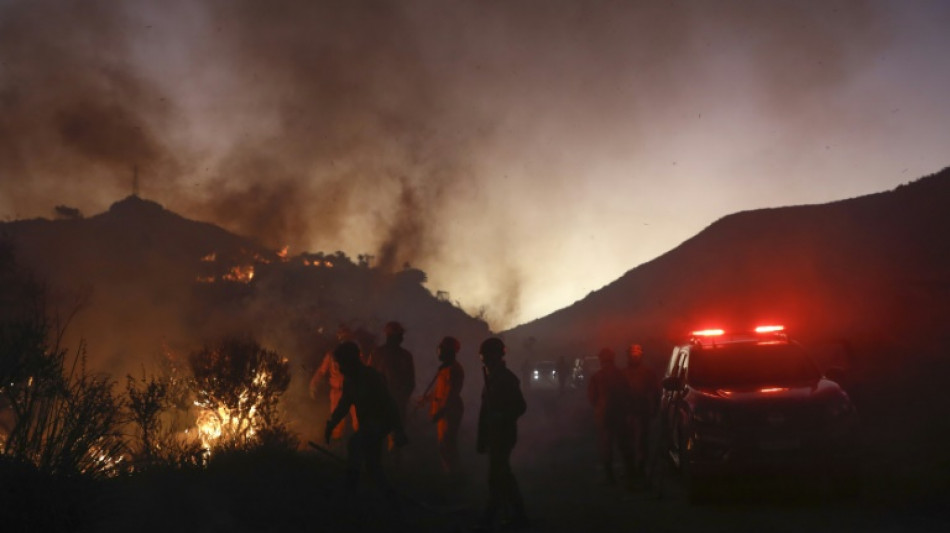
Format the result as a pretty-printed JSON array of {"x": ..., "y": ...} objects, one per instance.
[{"x": 473, "y": 139}]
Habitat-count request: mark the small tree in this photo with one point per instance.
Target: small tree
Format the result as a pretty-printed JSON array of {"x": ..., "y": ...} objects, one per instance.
[
  {"x": 149, "y": 399},
  {"x": 65, "y": 420},
  {"x": 237, "y": 386}
]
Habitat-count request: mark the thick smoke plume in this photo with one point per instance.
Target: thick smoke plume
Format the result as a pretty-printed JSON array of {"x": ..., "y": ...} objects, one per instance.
[{"x": 395, "y": 128}]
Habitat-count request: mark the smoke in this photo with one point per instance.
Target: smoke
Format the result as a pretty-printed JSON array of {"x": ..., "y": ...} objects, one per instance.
[{"x": 375, "y": 126}]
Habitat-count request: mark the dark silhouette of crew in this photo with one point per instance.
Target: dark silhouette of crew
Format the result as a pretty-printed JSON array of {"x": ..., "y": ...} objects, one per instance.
[
  {"x": 444, "y": 397},
  {"x": 563, "y": 369},
  {"x": 645, "y": 386},
  {"x": 328, "y": 376},
  {"x": 610, "y": 395},
  {"x": 397, "y": 367},
  {"x": 365, "y": 389},
  {"x": 502, "y": 405}
]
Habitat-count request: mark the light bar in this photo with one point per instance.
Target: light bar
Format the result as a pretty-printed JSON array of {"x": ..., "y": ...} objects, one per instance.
[
  {"x": 769, "y": 329},
  {"x": 708, "y": 333}
]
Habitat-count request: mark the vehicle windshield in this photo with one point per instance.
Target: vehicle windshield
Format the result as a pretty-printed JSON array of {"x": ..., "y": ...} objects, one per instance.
[{"x": 750, "y": 365}]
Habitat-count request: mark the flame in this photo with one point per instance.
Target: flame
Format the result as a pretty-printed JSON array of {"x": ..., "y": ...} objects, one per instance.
[
  {"x": 205, "y": 279},
  {"x": 240, "y": 274},
  {"x": 220, "y": 424},
  {"x": 209, "y": 258},
  {"x": 282, "y": 254}
]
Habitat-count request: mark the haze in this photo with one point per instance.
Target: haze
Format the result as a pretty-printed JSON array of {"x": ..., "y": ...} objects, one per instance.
[{"x": 521, "y": 153}]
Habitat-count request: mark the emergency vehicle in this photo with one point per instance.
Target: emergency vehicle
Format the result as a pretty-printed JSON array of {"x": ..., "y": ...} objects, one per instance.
[{"x": 753, "y": 403}]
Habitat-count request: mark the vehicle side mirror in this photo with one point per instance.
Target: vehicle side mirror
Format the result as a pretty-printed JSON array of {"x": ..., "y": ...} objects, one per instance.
[
  {"x": 835, "y": 374},
  {"x": 672, "y": 383}
]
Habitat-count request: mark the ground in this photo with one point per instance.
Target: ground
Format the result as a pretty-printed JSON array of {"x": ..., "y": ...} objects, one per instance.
[{"x": 555, "y": 463}]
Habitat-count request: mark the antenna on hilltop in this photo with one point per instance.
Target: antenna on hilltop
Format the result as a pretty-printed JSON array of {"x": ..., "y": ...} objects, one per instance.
[{"x": 135, "y": 181}]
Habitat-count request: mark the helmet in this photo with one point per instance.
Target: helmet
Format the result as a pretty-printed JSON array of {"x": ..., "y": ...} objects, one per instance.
[
  {"x": 606, "y": 356},
  {"x": 347, "y": 355},
  {"x": 344, "y": 333},
  {"x": 450, "y": 344},
  {"x": 492, "y": 347},
  {"x": 394, "y": 328}
]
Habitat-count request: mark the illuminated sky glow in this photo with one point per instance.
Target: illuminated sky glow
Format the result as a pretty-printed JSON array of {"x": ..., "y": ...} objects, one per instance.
[{"x": 522, "y": 153}]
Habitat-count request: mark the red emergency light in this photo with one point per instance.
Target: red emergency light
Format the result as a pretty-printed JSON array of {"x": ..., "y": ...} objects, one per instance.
[{"x": 709, "y": 333}]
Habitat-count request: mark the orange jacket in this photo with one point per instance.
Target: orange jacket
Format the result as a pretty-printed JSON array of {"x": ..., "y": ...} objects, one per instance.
[{"x": 446, "y": 396}]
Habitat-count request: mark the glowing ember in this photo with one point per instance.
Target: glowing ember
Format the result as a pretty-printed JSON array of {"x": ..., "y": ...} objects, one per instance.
[
  {"x": 282, "y": 254},
  {"x": 209, "y": 258},
  {"x": 240, "y": 274}
]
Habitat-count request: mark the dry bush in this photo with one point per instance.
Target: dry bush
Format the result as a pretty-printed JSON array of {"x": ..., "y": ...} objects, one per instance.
[{"x": 238, "y": 385}]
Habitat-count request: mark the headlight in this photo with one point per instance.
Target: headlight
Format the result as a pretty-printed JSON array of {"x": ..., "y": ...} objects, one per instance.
[{"x": 535, "y": 374}]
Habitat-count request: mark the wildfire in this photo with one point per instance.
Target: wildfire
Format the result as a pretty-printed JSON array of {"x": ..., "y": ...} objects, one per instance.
[
  {"x": 240, "y": 274},
  {"x": 210, "y": 258},
  {"x": 217, "y": 424},
  {"x": 282, "y": 254}
]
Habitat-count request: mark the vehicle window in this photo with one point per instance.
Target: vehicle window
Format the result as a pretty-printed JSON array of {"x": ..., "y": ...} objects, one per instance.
[{"x": 751, "y": 366}]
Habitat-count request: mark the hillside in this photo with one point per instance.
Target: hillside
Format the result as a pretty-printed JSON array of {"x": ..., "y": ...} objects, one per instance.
[
  {"x": 873, "y": 268},
  {"x": 153, "y": 286}
]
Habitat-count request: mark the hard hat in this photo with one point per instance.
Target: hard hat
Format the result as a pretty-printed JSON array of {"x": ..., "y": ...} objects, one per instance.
[
  {"x": 394, "y": 328},
  {"x": 347, "y": 355},
  {"x": 606, "y": 354},
  {"x": 492, "y": 347},
  {"x": 451, "y": 344}
]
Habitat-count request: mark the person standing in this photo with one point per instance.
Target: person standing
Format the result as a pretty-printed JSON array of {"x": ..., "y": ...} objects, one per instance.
[
  {"x": 365, "y": 391},
  {"x": 328, "y": 373},
  {"x": 397, "y": 367},
  {"x": 502, "y": 404},
  {"x": 562, "y": 372},
  {"x": 645, "y": 386},
  {"x": 445, "y": 404},
  {"x": 609, "y": 393}
]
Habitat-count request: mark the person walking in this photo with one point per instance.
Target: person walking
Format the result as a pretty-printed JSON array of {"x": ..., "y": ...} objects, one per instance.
[
  {"x": 502, "y": 404},
  {"x": 365, "y": 390}
]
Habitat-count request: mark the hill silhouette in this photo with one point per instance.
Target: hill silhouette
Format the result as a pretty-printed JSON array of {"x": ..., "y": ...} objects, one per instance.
[
  {"x": 154, "y": 286},
  {"x": 875, "y": 268}
]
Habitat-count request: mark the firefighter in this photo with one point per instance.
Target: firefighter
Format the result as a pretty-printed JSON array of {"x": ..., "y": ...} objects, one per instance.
[
  {"x": 396, "y": 365},
  {"x": 329, "y": 372},
  {"x": 609, "y": 393},
  {"x": 365, "y": 390},
  {"x": 445, "y": 404},
  {"x": 645, "y": 386},
  {"x": 502, "y": 405}
]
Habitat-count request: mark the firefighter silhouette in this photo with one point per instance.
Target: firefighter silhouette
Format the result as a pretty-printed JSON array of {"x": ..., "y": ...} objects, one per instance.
[
  {"x": 609, "y": 393},
  {"x": 445, "y": 403},
  {"x": 365, "y": 390},
  {"x": 396, "y": 365},
  {"x": 502, "y": 404},
  {"x": 328, "y": 374},
  {"x": 645, "y": 386}
]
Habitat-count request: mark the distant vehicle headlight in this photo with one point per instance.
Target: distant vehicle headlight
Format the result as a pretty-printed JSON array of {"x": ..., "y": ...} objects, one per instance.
[{"x": 535, "y": 375}]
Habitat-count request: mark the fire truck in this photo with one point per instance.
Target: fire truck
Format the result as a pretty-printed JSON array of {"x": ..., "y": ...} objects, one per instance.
[{"x": 753, "y": 404}]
